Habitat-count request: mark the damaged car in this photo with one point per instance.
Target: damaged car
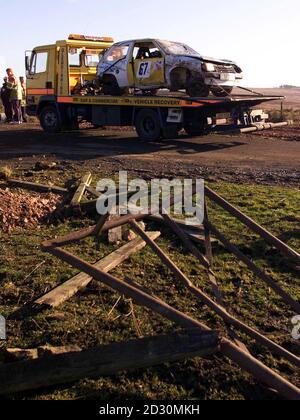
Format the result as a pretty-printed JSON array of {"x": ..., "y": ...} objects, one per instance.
[{"x": 152, "y": 64}]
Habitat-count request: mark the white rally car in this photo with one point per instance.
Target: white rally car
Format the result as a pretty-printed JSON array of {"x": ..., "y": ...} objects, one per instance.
[{"x": 152, "y": 64}]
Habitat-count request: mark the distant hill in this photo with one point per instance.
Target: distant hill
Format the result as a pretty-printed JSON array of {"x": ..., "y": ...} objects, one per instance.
[
  {"x": 289, "y": 87},
  {"x": 292, "y": 96}
]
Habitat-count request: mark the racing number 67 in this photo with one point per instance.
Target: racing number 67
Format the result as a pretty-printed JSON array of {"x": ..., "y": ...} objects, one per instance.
[{"x": 143, "y": 69}]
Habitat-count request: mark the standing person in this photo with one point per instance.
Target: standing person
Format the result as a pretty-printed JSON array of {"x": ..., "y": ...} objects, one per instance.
[
  {"x": 23, "y": 102},
  {"x": 5, "y": 97},
  {"x": 15, "y": 96}
]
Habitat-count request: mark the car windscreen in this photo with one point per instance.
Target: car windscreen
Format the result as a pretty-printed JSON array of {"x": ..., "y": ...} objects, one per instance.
[{"x": 176, "y": 48}]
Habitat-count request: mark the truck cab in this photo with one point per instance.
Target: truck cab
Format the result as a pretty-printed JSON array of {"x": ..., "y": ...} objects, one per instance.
[{"x": 63, "y": 69}]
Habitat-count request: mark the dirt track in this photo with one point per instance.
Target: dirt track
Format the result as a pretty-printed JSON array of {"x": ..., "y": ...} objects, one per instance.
[{"x": 240, "y": 157}]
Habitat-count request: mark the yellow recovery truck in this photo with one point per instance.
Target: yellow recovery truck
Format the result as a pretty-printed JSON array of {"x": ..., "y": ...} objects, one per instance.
[{"x": 62, "y": 90}]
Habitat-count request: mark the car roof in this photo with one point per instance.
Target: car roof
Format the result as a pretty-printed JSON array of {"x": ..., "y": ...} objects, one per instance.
[{"x": 137, "y": 40}]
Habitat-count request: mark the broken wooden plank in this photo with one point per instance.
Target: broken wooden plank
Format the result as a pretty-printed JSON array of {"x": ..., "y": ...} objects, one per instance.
[
  {"x": 91, "y": 205},
  {"x": 196, "y": 233},
  {"x": 47, "y": 351},
  {"x": 68, "y": 289},
  {"x": 16, "y": 355},
  {"x": 106, "y": 360},
  {"x": 85, "y": 182},
  {"x": 182, "y": 223},
  {"x": 93, "y": 191},
  {"x": 32, "y": 186},
  {"x": 207, "y": 236},
  {"x": 200, "y": 239}
]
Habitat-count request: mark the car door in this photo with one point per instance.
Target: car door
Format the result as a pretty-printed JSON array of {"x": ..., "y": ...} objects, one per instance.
[{"x": 148, "y": 65}]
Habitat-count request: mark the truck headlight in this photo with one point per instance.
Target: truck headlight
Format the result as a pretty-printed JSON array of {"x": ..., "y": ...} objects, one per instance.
[{"x": 209, "y": 67}]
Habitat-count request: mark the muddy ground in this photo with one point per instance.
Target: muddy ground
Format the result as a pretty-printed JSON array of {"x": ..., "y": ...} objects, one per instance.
[{"x": 270, "y": 157}]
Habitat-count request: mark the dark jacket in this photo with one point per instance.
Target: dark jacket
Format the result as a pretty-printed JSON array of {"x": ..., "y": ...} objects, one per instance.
[{"x": 5, "y": 93}]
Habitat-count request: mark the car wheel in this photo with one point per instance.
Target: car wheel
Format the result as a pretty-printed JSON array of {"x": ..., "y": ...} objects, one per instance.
[
  {"x": 148, "y": 125},
  {"x": 196, "y": 87},
  {"x": 222, "y": 92},
  {"x": 50, "y": 120}
]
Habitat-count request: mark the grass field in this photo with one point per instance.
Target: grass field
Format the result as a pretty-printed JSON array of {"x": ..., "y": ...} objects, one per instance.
[{"x": 87, "y": 319}]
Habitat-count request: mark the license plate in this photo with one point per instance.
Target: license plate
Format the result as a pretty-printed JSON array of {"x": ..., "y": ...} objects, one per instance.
[{"x": 228, "y": 77}]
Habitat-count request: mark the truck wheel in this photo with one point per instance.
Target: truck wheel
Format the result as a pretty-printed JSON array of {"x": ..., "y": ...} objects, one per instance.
[
  {"x": 222, "y": 92},
  {"x": 148, "y": 125},
  {"x": 196, "y": 87},
  {"x": 195, "y": 129},
  {"x": 50, "y": 120}
]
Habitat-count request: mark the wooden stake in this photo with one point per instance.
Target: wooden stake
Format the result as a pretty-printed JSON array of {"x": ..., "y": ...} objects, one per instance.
[
  {"x": 32, "y": 186},
  {"x": 85, "y": 182},
  {"x": 207, "y": 234}
]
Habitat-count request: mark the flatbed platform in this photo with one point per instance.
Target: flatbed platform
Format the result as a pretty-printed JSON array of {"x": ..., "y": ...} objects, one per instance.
[
  {"x": 154, "y": 117},
  {"x": 169, "y": 101}
]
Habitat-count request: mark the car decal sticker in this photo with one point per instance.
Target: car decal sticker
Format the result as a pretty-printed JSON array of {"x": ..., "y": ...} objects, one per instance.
[{"x": 144, "y": 70}]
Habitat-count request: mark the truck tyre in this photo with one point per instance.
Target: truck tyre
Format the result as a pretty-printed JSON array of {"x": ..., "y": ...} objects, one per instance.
[
  {"x": 197, "y": 88},
  {"x": 222, "y": 92},
  {"x": 50, "y": 120},
  {"x": 148, "y": 125}
]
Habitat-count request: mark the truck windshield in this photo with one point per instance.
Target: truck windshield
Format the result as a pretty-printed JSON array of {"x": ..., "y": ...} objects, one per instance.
[
  {"x": 176, "y": 48},
  {"x": 79, "y": 57},
  {"x": 92, "y": 57}
]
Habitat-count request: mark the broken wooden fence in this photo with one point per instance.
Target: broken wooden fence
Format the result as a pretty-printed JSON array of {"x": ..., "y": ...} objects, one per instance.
[
  {"x": 234, "y": 350},
  {"x": 138, "y": 294},
  {"x": 141, "y": 297}
]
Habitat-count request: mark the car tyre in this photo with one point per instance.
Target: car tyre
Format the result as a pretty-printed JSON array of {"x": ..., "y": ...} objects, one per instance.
[{"x": 197, "y": 88}]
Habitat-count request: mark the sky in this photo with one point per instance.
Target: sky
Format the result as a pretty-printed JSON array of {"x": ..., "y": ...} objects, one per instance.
[{"x": 262, "y": 36}]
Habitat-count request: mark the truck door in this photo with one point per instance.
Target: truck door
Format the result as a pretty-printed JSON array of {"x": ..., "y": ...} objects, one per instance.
[
  {"x": 148, "y": 65},
  {"x": 38, "y": 83}
]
